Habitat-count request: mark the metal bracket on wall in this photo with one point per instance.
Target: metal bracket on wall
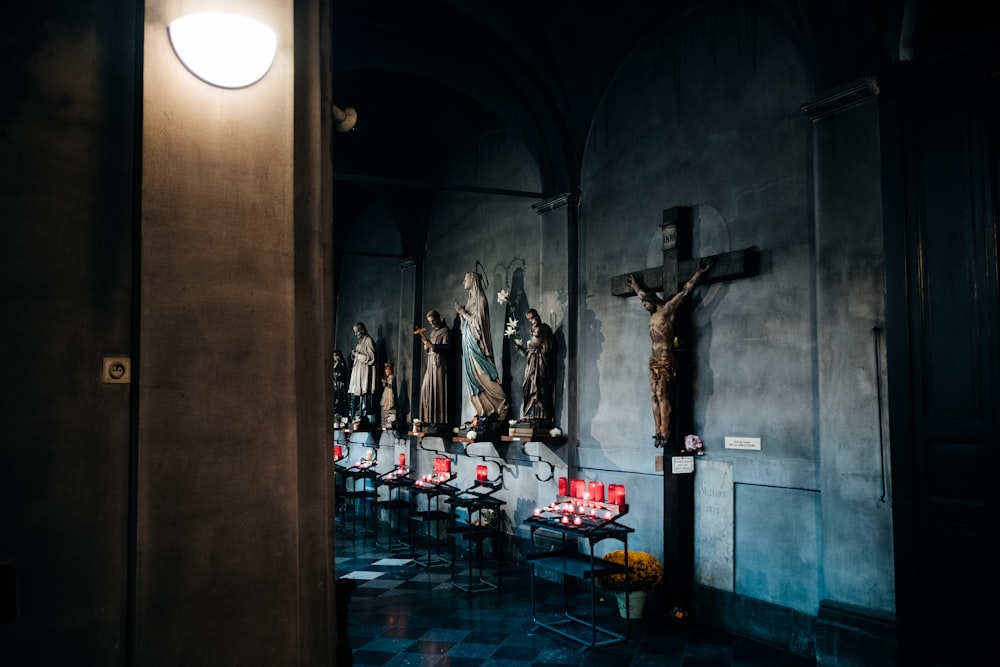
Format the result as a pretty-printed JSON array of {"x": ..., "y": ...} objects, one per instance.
[
  {"x": 539, "y": 459},
  {"x": 440, "y": 452}
]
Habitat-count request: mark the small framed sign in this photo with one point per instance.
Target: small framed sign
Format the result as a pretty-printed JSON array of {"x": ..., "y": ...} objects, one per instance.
[
  {"x": 669, "y": 237},
  {"x": 680, "y": 465},
  {"x": 743, "y": 443}
]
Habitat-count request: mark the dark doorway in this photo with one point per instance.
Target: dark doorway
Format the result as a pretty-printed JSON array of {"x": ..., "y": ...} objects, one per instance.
[{"x": 940, "y": 144}]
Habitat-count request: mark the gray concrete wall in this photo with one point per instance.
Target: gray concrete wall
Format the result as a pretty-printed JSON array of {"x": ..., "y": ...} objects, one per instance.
[
  {"x": 718, "y": 130},
  {"x": 518, "y": 251},
  {"x": 707, "y": 114},
  {"x": 785, "y": 356},
  {"x": 66, "y": 264},
  {"x": 855, "y": 468},
  {"x": 707, "y": 123},
  {"x": 376, "y": 287},
  {"x": 232, "y": 310},
  {"x": 508, "y": 239},
  {"x": 216, "y": 451},
  {"x": 232, "y": 494}
]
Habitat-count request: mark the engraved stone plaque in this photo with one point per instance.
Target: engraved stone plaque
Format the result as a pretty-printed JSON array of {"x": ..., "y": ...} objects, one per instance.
[{"x": 713, "y": 525}]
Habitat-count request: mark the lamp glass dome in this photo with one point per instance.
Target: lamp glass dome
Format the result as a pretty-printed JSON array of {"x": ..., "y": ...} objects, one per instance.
[{"x": 224, "y": 50}]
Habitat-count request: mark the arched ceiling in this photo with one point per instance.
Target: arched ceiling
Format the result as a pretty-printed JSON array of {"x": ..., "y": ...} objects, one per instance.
[
  {"x": 426, "y": 77},
  {"x": 438, "y": 71}
]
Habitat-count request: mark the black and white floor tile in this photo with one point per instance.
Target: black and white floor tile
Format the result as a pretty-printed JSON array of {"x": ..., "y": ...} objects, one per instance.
[{"x": 404, "y": 614}]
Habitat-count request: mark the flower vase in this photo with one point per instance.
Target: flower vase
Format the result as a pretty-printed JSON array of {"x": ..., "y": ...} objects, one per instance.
[{"x": 635, "y": 606}]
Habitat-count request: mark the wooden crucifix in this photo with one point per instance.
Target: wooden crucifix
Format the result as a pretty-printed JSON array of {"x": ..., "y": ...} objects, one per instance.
[
  {"x": 673, "y": 275},
  {"x": 679, "y": 273}
]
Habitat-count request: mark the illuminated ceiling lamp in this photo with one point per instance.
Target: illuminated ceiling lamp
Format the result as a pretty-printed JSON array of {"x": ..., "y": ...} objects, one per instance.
[{"x": 224, "y": 50}]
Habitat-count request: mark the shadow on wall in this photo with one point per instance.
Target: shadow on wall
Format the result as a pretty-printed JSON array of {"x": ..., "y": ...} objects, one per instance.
[
  {"x": 510, "y": 365},
  {"x": 591, "y": 331},
  {"x": 560, "y": 356},
  {"x": 457, "y": 379}
]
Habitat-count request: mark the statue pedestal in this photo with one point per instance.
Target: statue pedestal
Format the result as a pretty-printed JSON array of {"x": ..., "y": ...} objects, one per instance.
[
  {"x": 529, "y": 430},
  {"x": 437, "y": 430}
]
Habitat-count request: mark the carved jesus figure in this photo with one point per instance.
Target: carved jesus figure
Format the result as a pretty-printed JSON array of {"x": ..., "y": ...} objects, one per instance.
[{"x": 662, "y": 360}]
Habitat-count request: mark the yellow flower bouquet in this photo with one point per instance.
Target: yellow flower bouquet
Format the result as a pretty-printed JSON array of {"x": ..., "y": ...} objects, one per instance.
[{"x": 645, "y": 572}]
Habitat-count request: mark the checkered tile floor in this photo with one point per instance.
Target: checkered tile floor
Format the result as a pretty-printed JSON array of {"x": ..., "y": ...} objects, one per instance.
[{"x": 405, "y": 614}]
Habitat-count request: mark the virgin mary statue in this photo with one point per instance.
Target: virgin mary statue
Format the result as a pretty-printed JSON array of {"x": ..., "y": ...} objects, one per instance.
[{"x": 481, "y": 376}]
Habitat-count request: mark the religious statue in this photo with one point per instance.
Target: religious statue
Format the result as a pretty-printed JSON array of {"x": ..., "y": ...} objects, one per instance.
[
  {"x": 362, "y": 386},
  {"x": 663, "y": 361},
  {"x": 389, "y": 397},
  {"x": 489, "y": 400},
  {"x": 435, "y": 394},
  {"x": 339, "y": 384},
  {"x": 538, "y": 387}
]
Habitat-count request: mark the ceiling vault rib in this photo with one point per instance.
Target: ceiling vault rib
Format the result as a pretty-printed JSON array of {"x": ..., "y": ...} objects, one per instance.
[{"x": 404, "y": 183}]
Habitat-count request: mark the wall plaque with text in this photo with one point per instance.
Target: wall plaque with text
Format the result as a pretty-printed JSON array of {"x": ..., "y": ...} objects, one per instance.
[{"x": 743, "y": 443}]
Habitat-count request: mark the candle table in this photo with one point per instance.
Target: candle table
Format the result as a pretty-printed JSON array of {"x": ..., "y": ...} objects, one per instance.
[
  {"x": 431, "y": 488},
  {"x": 571, "y": 522},
  {"x": 473, "y": 529},
  {"x": 360, "y": 493},
  {"x": 396, "y": 482}
]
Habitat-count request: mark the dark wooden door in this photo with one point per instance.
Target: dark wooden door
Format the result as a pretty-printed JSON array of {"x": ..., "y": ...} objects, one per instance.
[{"x": 943, "y": 333}]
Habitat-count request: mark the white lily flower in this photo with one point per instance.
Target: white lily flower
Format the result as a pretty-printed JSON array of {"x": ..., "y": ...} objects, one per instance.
[
  {"x": 511, "y": 328},
  {"x": 502, "y": 296}
]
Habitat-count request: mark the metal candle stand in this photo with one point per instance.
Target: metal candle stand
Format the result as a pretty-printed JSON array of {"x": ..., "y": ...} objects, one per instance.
[
  {"x": 359, "y": 497},
  {"x": 432, "y": 489},
  {"x": 473, "y": 501},
  {"x": 395, "y": 480},
  {"x": 572, "y": 564}
]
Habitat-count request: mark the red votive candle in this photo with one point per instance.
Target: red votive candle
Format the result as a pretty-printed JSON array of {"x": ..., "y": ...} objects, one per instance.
[
  {"x": 338, "y": 452},
  {"x": 402, "y": 460},
  {"x": 576, "y": 488},
  {"x": 445, "y": 465},
  {"x": 619, "y": 496},
  {"x": 597, "y": 492},
  {"x": 563, "y": 486},
  {"x": 481, "y": 473}
]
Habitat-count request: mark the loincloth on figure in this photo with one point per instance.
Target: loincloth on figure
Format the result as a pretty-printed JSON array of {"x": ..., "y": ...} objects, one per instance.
[{"x": 663, "y": 369}]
